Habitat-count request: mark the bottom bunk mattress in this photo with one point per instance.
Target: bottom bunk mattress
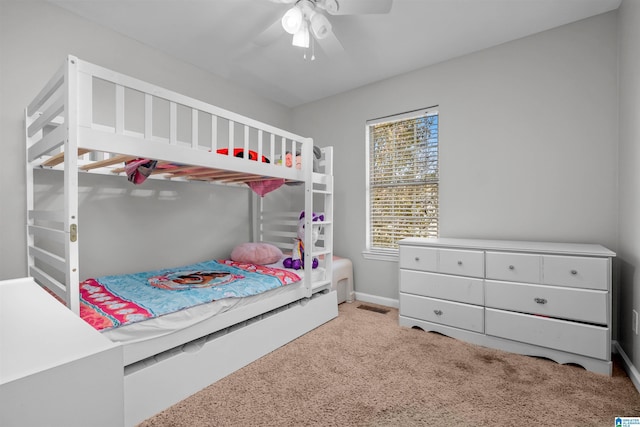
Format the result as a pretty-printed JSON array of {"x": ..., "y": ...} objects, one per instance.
[{"x": 136, "y": 307}]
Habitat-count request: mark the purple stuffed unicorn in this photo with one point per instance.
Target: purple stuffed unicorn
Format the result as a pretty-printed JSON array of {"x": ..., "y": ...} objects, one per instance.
[{"x": 296, "y": 260}]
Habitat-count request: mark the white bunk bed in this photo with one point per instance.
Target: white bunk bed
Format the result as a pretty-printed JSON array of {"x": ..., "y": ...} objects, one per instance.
[{"x": 165, "y": 368}]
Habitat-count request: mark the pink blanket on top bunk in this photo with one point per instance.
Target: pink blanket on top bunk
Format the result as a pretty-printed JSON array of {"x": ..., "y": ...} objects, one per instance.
[{"x": 111, "y": 301}]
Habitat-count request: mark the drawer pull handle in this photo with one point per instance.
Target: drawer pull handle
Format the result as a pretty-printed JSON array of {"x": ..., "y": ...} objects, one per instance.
[
  {"x": 417, "y": 258},
  {"x": 511, "y": 267},
  {"x": 540, "y": 300},
  {"x": 574, "y": 272},
  {"x": 438, "y": 312},
  {"x": 459, "y": 262}
]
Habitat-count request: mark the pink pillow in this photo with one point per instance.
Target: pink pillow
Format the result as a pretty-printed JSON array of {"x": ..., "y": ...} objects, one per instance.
[{"x": 256, "y": 253}]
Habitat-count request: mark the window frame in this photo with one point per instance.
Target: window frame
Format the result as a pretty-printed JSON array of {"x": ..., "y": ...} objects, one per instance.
[{"x": 376, "y": 253}]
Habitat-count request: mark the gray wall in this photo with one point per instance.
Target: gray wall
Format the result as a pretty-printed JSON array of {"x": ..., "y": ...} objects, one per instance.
[
  {"x": 528, "y": 143},
  {"x": 629, "y": 247},
  {"x": 134, "y": 232}
]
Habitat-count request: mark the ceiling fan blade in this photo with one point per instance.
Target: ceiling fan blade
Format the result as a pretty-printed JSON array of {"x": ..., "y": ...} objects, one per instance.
[
  {"x": 362, "y": 7},
  {"x": 269, "y": 34}
]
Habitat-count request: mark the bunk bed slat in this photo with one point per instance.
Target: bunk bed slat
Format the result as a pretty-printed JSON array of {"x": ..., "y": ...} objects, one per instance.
[
  {"x": 183, "y": 171},
  {"x": 244, "y": 178},
  {"x": 240, "y": 179},
  {"x": 232, "y": 129},
  {"x": 214, "y": 132},
  {"x": 49, "y": 282},
  {"x": 47, "y": 91},
  {"x": 119, "y": 109},
  {"x": 47, "y": 233},
  {"x": 85, "y": 107},
  {"x": 260, "y": 144},
  {"x": 281, "y": 214},
  {"x": 171, "y": 171},
  {"x": 246, "y": 141},
  {"x": 51, "y": 259},
  {"x": 194, "y": 128},
  {"x": 55, "y": 216},
  {"x": 272, "y": 148},
  {"x": 283, "y": 149},
  {"x": 220, "y": 175},
  {"x": 293, "y": 154},
  {"x": 52, "y": 112},
  {"x": 59, "y": 158},
  {"x": 107, "y": 162},
  {"x": 51, "y": 141},
  {"x": 148, "y": 116},
  {"x": 173, "y": 123},
  {"x": 275, "y": 233}
]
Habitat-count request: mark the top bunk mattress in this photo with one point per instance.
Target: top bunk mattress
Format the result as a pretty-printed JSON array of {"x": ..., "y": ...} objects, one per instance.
[{"x": 137, "y": 307}]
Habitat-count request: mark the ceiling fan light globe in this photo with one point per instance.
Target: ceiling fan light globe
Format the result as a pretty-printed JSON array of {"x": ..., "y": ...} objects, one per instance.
[
  {"x": 330, "y": 6},
  {"x": 292, "y": 20},
  {"x": 320, "y": 26},
  {"x": 301, "y": 38}
]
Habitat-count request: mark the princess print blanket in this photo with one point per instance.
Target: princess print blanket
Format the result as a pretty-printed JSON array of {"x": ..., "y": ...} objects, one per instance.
[{"x": 111, "y": 301}]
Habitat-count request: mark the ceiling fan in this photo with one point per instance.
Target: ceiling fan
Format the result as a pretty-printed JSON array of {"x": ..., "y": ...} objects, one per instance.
[{"x": 307, "y": 22}]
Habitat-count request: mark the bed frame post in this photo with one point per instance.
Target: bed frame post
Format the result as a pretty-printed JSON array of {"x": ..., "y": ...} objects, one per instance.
[
  {"x": 328, "y": 212},
  {"x": 72, "y": 273},
  {"x": 30, "y": 196},
  {"x": 255, "y": 210}
]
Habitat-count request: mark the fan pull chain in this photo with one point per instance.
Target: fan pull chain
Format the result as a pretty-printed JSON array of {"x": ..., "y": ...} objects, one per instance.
[{"x": 313, "y": 50}]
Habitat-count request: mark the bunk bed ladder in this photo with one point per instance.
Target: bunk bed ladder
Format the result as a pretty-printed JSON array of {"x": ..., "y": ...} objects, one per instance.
[
  {"x": 279, "y": 228},
  {"x": 321, "y": 187}
]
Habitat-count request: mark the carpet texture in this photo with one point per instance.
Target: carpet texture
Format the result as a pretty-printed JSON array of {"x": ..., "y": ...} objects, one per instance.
[{"x": 363, "y": 369}]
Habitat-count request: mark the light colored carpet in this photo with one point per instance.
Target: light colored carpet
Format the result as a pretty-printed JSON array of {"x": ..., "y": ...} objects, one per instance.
[{"x": 363, "y": 369}]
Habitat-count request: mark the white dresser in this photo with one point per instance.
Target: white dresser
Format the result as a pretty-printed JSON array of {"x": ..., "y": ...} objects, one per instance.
[
  {"x": 55, "y": 369},
  {"x": 542, "y": 299}
]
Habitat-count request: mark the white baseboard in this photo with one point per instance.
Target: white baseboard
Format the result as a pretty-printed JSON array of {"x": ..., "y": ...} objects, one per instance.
[
  {"x": 387, "y": 302},
  {"x": 631, "y": 370}
]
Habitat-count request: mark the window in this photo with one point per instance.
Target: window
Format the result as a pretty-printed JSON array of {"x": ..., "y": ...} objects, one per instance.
[{"x": 402, "y": 179}]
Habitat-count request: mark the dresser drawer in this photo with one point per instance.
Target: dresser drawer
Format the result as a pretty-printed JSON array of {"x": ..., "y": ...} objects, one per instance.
[
  {"x": 578, "y": 272},
  {"x": 578, "y": 338},
  {"x": 455, "y": 288},
  {"x": 418, "y": 258},
  {"x": 567, "y": 303},
  {"x": 461, "y": 262},
  {"x": 513, "y": 267},
  {"x": 447, "y": 313}
]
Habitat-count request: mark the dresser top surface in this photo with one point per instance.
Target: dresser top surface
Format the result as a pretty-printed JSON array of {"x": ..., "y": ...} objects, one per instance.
[
  {"x": 37, "y": 332},
  {"x": 584, "y": 249}
]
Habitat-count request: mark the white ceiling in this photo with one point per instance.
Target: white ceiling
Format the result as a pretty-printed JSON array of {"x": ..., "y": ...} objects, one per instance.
[{"x": 222, "y": 36}]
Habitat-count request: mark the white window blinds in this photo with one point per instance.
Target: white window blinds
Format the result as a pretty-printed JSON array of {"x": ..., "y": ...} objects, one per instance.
[{"x": 403, "y": 178}]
